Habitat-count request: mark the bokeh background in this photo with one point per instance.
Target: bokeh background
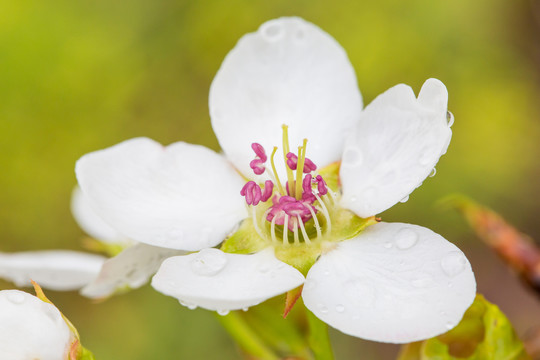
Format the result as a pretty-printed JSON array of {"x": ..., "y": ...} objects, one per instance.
[{"x": 77, "y": 76}]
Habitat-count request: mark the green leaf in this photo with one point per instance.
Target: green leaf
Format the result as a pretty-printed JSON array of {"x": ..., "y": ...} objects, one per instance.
[{"x": 484, "y": 333}]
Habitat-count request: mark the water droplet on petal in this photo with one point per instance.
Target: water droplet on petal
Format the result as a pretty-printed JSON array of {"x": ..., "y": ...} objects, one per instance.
[
  {"x": 442, "y": 313},
  {"x": 388, "y": 244},
  {"x": 406, "y": 238},
  {"x": 323, "y": 309},
  {"x": 353, "y": 199},
  {"x": 405, "y": 199},
  {"x": 360, "y": 293},
  {"x": 352, "y": 157},
  {"x": 449, "y": 325},
  {"x": 450, "y": 118},
  {"x": 208, "y": 262},
  {"x": 433, "y": 172},
  {"x": 340, "y": 308},
  {"x": 244, "y": 309},
  {"x": 272, "y": 31},
  {"x": 192, "y": 306},
  {"x": 453, "y": 263},
  {"x": 16, "y": 297},
  {"x": 223, "y": 312}
]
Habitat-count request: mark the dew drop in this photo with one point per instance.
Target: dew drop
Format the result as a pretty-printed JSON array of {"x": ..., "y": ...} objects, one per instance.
[
  {"x": 406, "y": 238},
  {"x": 388, "y": 244},
  {"x": 340, "y": 308},
  {"x": 442, "y": 313},
  {"x": 323, "y": 309},
  {"x": 353, "y": 199},
  {"x": 405, "y": 199},
  {"x": 433, "y": 172},
  {"x": 223, "y": 312},
  {"x": 208, "y": 262},
  {"x": 449, "y": 325},
  {"x": 244, "y": 309},
  {"x": 300, "y": 34},
  {"x": 453, "y": 263},
  {"x": 192, "y": 306},
  {"x": 450, "y": 118},
  {"x": 272, "y": 31},
  {"x": 352, "y": 157},
  {"x": 15, "y": 297},
  {"x": 360, "y": 293}
]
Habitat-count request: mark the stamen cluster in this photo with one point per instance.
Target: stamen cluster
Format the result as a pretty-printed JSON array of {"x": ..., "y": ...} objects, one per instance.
[{"x": 304, "y": 196}]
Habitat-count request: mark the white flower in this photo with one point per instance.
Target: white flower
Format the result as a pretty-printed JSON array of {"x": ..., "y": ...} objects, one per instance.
[
  {"x": 391, "y": 282},
  {"x": 31, "y": 328},
  {"x": 95, "y": 275}
]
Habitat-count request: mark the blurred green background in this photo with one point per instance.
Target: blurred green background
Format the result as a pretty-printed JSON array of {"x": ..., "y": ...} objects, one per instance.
[{"x": 78, "y": 76}]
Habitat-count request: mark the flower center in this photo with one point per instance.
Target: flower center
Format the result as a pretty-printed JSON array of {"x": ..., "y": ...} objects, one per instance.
[{"x": 294, "y": 213}]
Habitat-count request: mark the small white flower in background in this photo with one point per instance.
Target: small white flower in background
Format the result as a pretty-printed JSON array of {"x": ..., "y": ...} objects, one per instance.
[
  {"x": 31, "y": 328},
  {"x": 389, "y": 282}
]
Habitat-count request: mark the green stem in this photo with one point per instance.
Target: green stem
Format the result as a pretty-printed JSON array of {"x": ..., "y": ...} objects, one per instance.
[
  {"x": 318, "y": 338},
  {"x": 246, "y": 337}
]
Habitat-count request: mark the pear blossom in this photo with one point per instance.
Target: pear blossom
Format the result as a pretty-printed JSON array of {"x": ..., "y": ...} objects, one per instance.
[
  {"x": 302, "y": 215},
  {"x": 31, "y": 328}
]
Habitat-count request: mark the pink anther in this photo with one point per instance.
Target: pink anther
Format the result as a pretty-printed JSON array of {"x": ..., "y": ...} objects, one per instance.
[
  {"x": 292, "y": 163},
  {"x": 257, "y": 166},
  {"x": 268, "y": 188},
  {"x": 259, "y": 151},
  {"x": 252, "y": 192},
  {"x": 321, "y": 185}
]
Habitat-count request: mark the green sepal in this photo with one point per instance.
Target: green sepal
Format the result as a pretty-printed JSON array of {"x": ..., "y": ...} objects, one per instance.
[
  {"x": 245, "y": 240},
  {"x": 85, "y": 354},
  {"x": 484, "y": 333}
]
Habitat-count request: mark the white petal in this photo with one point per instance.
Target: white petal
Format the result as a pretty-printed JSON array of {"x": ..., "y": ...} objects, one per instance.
[
  {"x": 181, "y": 196},
  {"x": 288, "y": 72},
  {"x": 215, "y": 280},
  {"x": 31, "y": 328},
  {"x": 394, "y": 147},
  {"x": 90, "y": 222},
  {"x": 394, "y": 283},
  {"x": 52, "y": 269},
  {"x": 133, "y": 267}
]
